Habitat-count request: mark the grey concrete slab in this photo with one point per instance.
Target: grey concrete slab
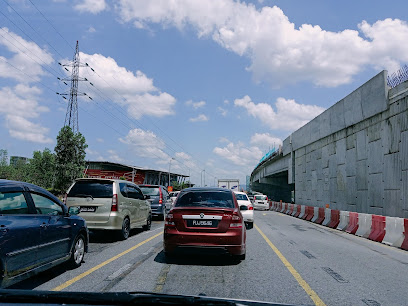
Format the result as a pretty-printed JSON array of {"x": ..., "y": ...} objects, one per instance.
[
  {"x": 392, "y": 171},
  {"x": 404, "y": 150},
  {"x": 375, "y": 190},
  {"x": 352, "y": 108},
  {"x": 375, "y": 158},
  {"x": 374, "y": 95},
  {"x": 362, "y": 201},
  {"x": 341, "y": 151},
  {"x": 361, "y": 145},
  {"x": 361, "y": 175},
  {"x": 392, "y": 203},
  {"x": 351, "y": 160}
]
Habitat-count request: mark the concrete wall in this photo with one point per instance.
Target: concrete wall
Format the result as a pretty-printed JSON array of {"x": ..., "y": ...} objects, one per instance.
[{"x": 354, "y": 156}]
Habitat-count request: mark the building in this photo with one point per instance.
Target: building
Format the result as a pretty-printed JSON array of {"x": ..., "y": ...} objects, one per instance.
[{"x": 138, "y": 175}]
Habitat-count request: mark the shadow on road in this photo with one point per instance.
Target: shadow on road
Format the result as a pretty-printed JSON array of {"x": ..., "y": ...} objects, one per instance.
[{"x": 194, "y": 259}]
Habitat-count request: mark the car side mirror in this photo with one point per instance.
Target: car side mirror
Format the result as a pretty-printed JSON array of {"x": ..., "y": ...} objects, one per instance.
[
  {"x": 243, "y": 207},
  {"x": 146, "y": 197},
  {"x": 73, "y": 210}
]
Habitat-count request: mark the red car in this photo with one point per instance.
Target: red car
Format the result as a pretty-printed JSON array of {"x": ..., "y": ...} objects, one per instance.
[{"x": 205, "y": 219}]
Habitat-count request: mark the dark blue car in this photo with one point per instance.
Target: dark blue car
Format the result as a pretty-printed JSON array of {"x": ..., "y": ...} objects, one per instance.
[{"x": 37, "y": 232}]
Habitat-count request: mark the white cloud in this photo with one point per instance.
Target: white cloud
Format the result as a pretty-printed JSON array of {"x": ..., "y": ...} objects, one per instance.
[
  {"x": 91, "y": 6},
  {"x": 22, "y": 51},
  {"x": 23, "y": 129},
  {"x": 101, "y": 140},
  {"x": 222, "y": 111},
  {"x": 289, "y": 115},
  {"x": 94, "y": 154},
  {"x": 226, "y": 102},
  {"x": 223, "y": 140},
  {"x": 199, "y": 118},
  {"x": 145, "y": 144},
  {"x": 91, "y": 30},
  {"x": 114, "y": 156},
  {"x": 135, "y": 91},
  {"x": 239, "y": 154},
  {"x": 279, "y": 52},
  {"x": 265, "y": 141},
  {"x": 14, "y": 103},
  {"x": 195, "y": 105}
]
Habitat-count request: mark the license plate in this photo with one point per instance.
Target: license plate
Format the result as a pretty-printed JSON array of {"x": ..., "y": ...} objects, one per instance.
[
  {"x": 87, "y": 209},
  {"x": 202, "y": 223}
]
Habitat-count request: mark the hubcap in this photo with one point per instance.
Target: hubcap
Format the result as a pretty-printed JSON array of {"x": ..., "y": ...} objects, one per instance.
[{"x": 79, "y": 251}]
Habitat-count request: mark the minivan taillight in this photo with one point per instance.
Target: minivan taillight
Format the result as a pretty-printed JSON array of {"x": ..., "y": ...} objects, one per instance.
[
  {"x": 114, "y": 206},
  {"x": 161, "y": 197}
]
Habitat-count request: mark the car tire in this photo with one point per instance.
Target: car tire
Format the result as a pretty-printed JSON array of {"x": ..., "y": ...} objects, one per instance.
[
  {"x": 125, "y": 231},
  {"x": 250, "y": 225},
  {"x": 148, "y": 223},
  {"x": 78, "y": 252}
]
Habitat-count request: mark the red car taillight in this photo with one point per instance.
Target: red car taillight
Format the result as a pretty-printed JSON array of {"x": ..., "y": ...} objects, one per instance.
[
  {"x": 114, "y": 206},
  {"x": 161, "y": 197},
  {"x": 267, "y": 198},
  {"x": 169, "y": 222},
  {"x": 250, "y": 207},
  {"x": 236, "y": 221}
]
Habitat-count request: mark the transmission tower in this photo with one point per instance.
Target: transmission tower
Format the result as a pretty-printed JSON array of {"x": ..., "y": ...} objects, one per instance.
[{"x": 71, "y": 117}]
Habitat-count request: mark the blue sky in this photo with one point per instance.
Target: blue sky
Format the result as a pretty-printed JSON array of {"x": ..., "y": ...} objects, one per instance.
[{"x": 212, "y": 84}]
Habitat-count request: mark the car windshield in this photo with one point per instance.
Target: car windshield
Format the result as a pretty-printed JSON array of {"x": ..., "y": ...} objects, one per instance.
[
  {"x": 150, "y": 191},
  {"x": 216, "y": 199},
  {"x": 94, "y": 189},
  {"x": 295, "y": 110},
  {"x": 242, "y": 197}
]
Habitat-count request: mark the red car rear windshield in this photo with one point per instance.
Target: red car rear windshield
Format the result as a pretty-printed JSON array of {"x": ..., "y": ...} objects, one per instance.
[{"x": 218, "y": 199}]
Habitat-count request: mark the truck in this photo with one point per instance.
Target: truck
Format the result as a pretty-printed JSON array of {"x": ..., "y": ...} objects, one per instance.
[{"x": 229, "y": 183}]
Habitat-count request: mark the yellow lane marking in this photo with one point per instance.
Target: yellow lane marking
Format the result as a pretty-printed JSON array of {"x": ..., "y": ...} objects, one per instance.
[
  {"x": 161, "y": 280},
  {"x": 315, "y": 298},
  {"x": 264, "y": 214},
  {"x": 86, "y": 273}
]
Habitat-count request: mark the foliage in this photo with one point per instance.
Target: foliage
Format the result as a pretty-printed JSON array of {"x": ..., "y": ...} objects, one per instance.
[
  {"x": 179, "y": 186},
  {"x": 42, "y": 168},
  {"x": 69, "y": 158}
]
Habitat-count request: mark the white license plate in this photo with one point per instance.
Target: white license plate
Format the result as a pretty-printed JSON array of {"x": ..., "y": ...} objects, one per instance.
[{"x": 87, "y": 209}]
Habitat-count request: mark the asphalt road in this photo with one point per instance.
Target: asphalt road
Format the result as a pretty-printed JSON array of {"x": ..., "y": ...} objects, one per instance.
[{"x": 288, "y": 261}]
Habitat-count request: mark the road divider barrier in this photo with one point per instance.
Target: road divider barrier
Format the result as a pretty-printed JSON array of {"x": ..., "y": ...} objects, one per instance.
[
  {"x": 364, "y": 225},
  {"x": 334, "y": 219},
  {"x": 377, "y": 228},
  {"x": 394, "y": 231},
  {"x": 315, "y": 214},
  {"x": 344, "y": 220},
  {"x": 353, "y": 223},
  {"x": 321, "y": 216},
  {"x": 302, "y": 211},
  {"x": 327, "y": 216}
]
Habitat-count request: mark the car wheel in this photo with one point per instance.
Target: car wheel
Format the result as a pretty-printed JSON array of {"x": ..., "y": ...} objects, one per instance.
[
  {"x": 148, "y": 223},
  {"x": 249, "y": 225},
  {"x": 241, "y": 257},
  {"x": 78, "y": 252},
  {"x": 125, "y": 231}
]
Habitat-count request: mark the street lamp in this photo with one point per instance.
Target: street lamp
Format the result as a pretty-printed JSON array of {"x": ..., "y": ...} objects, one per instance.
[
  {"x": 169, "y": 169},
  {"x": 202, "y": 178}
]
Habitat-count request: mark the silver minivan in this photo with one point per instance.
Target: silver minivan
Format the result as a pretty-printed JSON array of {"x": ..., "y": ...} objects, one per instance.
[{"x": 110, "y": 204}]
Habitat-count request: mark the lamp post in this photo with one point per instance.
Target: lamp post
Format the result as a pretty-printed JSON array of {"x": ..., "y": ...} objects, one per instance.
[
  {"x": 169, "y": 169},
  {"x": 202, "y": 177}
]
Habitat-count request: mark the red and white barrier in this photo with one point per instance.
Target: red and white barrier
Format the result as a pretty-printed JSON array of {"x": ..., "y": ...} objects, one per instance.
[
  {"x": 302, "y": 211},
  {"x": 377, "y": 228},
  {"x": 315, "y": 214},
  {"x": 294, "y": 210},
  {"x": 353, "y": 223},
  {"x": 321, "y": 216},
  {"x": 404, "y": 245},
  {"x": 327, "y": 216},
  {"x": 364, "y": 225},
  {"x": 334, "y": 219},
  {"x": 394, "y": 231},
  {"x": 344, "y": 220}
]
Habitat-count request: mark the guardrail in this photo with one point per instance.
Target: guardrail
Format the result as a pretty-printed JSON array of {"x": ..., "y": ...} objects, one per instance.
[{"x": 391, "y": 231}]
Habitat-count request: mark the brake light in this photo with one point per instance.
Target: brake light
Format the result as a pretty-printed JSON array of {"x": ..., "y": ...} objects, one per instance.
[
  {"x": 267, "y": 198},
  {"x": 114, "y": 206},
  {"x": 236, "y": 221},
  {"x": 250, "y": 207},
  {"x": 161, "y": 197},
  {"x": 169, "y": 222},
  {"x": 65, "y": 198}
]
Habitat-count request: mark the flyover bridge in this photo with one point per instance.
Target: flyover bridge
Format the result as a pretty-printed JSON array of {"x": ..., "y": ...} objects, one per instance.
[{"x": 353, "y": 156}]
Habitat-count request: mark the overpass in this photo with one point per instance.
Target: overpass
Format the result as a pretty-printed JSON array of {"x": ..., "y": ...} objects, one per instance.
[{"x": 353, "y": 156}]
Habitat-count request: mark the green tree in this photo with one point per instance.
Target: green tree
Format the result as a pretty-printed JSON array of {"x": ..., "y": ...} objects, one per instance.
[
  {"x": 20, "y": 172},
  {"x": 69, "y": 158},
  {"x": 42, "y": 168},
  {"x": 180, "y": 186},
  {"x": 4, "y": 165}
]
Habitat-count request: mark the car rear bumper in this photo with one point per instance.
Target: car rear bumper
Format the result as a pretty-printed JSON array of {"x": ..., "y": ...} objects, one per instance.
[
  {"x": 114, "y": 222},
  {"x": 261, "y": 206},
  {"x": 229, "y": 242}
]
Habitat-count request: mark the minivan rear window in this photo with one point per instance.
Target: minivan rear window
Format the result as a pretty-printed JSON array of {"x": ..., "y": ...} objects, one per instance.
[
  {"x": 98, "y": 189},
  {"x": 151, "y": 191},
  {"x": 205, "y": 199},
  {"x": 262, "y": 197}
]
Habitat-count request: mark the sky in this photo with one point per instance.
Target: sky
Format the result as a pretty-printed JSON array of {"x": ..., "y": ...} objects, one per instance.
[{"x": 203, "y": 87}]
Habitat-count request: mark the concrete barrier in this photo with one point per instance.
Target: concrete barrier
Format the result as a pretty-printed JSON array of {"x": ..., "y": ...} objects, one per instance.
[
  {"x": 334, "y": 218},
  {"x": 302, "y": 211},
  {"x": 377, "y": 228},
  {"x": 327, "y": 216},
  {"x": 315, "y": 214},
  {"x": 321, "y": 216},
  {"x": 294, "y": 210},
  {"x": 394, "y": 231},
  {"x": 344, "y": 220},
  {"x": 283, "y": 207},
  {"x": 298, "y": 211},
  {"x": 353, "y": 223},
  {"x": 364, "y": 225},
  {"x": 290, "y": 209},
  {"x": 306, "y": 212},
  {"x": 309, "y": 216},
  {"x": 404, "y": 244}
]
